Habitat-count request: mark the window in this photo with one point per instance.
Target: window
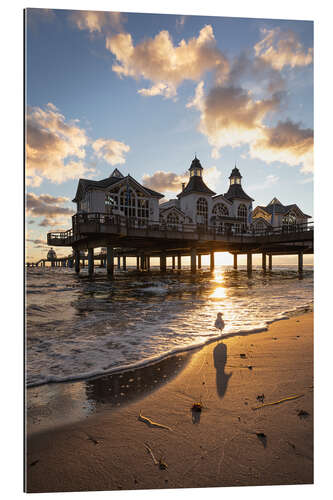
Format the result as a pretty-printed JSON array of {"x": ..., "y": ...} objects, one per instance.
[
  {"x": 220, "y": 209},
  {"x": 111, "y": 202},
  {"x": 202, "y": 211},
  {"x": 289, "y": 219},
  {"x": 259, "y": 226},
  {"x": 127, "y": 202},
  {"x": 242, "y": 212},
  {"x": 172, "y": 218}
]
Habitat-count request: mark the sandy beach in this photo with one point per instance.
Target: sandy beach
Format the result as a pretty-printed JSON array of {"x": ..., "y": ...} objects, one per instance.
[{"x": 234, "y": 441}]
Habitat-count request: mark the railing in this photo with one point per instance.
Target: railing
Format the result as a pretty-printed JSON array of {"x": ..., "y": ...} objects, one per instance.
[{"x": 66, "y": 237}]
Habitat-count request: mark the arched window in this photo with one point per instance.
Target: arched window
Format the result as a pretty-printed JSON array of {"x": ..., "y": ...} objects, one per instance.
[
  {"x": 220, "y": 209},
  {"x": 242, "y": 212},
  {"x": 128, "y": 202},
  {"x": 202, "y": 211},
  {"x": 172, "y": 218},
  {"x": 289, "y": 219}
]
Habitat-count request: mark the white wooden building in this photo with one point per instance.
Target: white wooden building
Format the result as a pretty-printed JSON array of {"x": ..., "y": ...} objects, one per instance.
[
  {"x": 118, "y": 195},
  {"x": 196, "y": 203},
  {"x": 275, "y": 214}
]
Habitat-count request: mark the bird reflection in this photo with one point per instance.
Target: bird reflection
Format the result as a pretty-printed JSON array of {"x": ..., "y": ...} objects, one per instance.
[{"x": 220, "y": 359}]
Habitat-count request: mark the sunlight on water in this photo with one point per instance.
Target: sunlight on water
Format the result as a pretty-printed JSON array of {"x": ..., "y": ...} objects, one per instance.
[
  {"x": 79, "y": 327},
  {"x": 219, "y": 293}
]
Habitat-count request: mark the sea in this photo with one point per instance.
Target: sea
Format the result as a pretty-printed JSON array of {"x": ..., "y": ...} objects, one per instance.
[{"x": 79, "y": 327}]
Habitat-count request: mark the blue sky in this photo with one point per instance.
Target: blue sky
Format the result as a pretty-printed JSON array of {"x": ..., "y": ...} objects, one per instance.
[{"x": 246, "y": 96}]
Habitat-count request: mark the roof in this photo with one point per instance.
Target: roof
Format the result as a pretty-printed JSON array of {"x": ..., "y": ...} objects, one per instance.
[
  {"x": 196, "y": 185},
  {"x": 235, "y": 173},
  {"x": 195, "y": 164},
  {"x": 85, "y": 184},
  {"x": 236, "y": 191},
  {"x": 278, "y": 208}
]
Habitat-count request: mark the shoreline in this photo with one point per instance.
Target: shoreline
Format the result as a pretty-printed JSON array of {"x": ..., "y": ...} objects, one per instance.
[
  {"x": 220, "y": 446},
  {"x": 284, "y": 315}
]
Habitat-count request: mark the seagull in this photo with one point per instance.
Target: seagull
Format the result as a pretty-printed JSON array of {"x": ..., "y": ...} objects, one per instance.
[{"x": 219, "y": 323}]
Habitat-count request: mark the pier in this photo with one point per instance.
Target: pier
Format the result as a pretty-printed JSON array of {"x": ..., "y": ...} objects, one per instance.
[{"x": 124, "y": 238}]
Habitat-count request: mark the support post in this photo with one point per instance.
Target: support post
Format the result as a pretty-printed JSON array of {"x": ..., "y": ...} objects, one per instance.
[
  {"x": 118, "y": 262},
  {"x": 137, "y": 263},
  {"x": 142, "y": 262},
  {"x": 199, "y": 261},
  {"x": 109, "y": 261},
  {"x": 300, "y": 262},
  {"x": 77, "y": 261},
  {"x": 90, "y": 261},
  {"x": 173, "y": 262},
  {"x": 270, "y": 263},
  {"x": 148, "y": 262},
  {"x": 249, "y": 262},
  {"x": 179, "y": 261},
  {"x": 124, "y": 262},
  {"x": 163, "y": 262},
  {"x": 193, "y": 260},
  {"x": 212, "y": 261},
  {"x": 235, "y": 261},
  {"x": 264, "y": 261}
]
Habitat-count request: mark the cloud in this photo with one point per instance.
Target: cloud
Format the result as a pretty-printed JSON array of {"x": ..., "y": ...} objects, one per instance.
[
  {"x": 98, "y": 22},
  {"x": 255, "y": 73},
  {"x": 110, "y": 150},
  {"x": 171, "y": 182},
  {"x": 230, "y": 116},
  {"x": 164, "y": 64},
  {"x": 55, "y": 147},
  {"x": 282, "y": 49},
  {"x": 47, "y": 205},
  {"x": 287, "y": 142}
]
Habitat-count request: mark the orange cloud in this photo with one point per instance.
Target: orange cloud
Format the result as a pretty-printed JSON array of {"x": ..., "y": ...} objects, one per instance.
[
  {"x": 288, "y": 143},
  {"x": 110, "y": 150},
  {"x": 55, "y": 147},
  {"x": 282, "y": 49},
  {"x": 164, "y": 64},
  {"x": 170, "y": 182},
  {"x": 230, "y": 116}
]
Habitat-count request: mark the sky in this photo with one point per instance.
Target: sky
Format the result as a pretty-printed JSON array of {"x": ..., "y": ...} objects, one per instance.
[{"x": 146, "y": 92}]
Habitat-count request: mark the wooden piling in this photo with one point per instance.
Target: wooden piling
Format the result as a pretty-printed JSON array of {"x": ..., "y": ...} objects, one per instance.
[
  {"x": 300, "y": 262},
  {"x": 124, "y": 262},
  {"x": 76, "y": 254},
  {"x": 109, "y": 261},
  {"x": 212, "y": 261},
  {"x": 163, "y": 262},
  {"x": 263, "y": 261},
  {"x": 199, "y": 261},
  {"x": 235, "y": 261},
  {"x": 249, "y": 262},
  {"x": 193, "y": 260},
  {"x": 270, "y": 263},
  {"x": 90, "y": 261},
  {"x": 179, "y": 261}
]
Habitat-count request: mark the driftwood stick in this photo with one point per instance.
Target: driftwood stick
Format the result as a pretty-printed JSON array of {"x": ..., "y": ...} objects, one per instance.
[{"x": 278, "y": 402}]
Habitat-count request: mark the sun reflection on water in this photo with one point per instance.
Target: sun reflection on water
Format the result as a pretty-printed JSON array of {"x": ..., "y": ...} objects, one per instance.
[{"x": 219, "y": 293}]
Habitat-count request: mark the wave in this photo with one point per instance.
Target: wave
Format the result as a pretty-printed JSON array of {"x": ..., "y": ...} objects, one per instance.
[{"x": 95, "y": 373}]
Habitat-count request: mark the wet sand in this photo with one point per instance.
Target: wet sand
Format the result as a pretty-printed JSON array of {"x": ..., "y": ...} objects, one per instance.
[{"x": 228, "y": 443}]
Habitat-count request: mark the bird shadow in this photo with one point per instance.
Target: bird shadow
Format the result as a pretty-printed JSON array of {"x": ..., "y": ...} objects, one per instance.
[{"x": 222, "y": 378}]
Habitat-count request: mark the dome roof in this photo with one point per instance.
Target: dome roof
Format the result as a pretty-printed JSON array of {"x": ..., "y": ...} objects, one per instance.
[{"x": 235, "y": 173}]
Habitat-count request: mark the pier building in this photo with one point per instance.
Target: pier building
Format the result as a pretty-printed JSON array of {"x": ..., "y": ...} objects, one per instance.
[{"x": 129, "y": 220}]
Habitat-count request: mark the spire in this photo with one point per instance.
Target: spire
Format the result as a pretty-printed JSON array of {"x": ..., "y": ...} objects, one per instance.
[{"x": 196, "y": 167}]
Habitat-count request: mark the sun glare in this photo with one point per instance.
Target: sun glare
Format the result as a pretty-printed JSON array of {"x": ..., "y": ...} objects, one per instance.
[{"x": 219, "y": 293}]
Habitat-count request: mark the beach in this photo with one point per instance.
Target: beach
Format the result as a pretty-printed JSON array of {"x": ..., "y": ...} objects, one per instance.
[{"x": 235, "y": 440}]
